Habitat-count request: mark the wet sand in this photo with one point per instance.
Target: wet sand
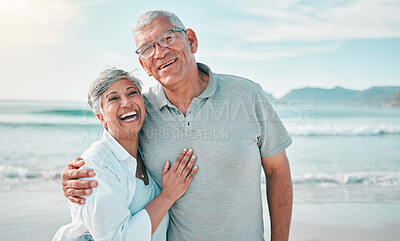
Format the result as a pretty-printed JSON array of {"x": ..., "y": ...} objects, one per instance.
[{"x": 36, "y": 213}]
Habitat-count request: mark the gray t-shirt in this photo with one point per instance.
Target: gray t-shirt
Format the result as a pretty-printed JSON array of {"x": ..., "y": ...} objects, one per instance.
[{"x": 230, "y": 126}]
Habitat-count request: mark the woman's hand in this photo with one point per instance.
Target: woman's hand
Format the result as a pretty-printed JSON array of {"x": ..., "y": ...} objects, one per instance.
[{"x": 175, "y": 180}]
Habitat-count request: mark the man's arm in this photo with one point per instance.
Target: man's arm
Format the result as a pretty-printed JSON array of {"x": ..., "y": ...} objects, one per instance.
[
  {"x": 279, "y": 194},
  {"x": 74, "y": 188}
]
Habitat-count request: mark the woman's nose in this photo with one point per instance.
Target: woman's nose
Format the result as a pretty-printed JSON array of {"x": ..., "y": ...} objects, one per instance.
[{"x": 125, "y": 102}]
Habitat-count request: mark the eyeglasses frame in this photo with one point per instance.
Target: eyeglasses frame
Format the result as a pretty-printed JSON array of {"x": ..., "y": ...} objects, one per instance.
[{"x": 156, "y": 41}]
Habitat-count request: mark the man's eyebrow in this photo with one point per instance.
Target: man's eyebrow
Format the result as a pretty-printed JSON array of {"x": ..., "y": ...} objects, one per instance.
[{"x": 114, "y": 92}]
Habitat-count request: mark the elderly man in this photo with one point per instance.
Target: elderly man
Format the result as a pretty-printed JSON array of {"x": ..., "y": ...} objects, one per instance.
[{"x": 232, "y": 128}]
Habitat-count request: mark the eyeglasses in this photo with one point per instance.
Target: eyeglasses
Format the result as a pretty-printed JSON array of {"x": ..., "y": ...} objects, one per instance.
[{"x": 164, "y": 40}]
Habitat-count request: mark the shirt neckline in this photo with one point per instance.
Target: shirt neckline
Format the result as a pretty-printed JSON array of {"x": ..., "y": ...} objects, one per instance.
[{"x": 162, "y": 99}]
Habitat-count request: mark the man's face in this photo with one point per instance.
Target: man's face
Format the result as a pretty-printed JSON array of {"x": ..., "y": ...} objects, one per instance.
[{"x": 172, "y": 64}]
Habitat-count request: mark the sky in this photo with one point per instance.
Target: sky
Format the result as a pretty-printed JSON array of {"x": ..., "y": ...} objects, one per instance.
[{"x": 53, "y": 50}]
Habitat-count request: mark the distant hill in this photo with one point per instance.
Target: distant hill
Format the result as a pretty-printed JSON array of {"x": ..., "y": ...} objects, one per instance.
[
  {"x": 333, "y": 96},
  {"x": 338, "y": 96},
  {"x": 270, "y": 97},
  {"x": 378, "y": 96}
]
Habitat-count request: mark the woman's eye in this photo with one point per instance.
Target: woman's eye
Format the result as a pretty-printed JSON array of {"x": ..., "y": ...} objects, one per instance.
[
  {"x": 112, "y": 98},
  {"x": 132, "y": 93}
]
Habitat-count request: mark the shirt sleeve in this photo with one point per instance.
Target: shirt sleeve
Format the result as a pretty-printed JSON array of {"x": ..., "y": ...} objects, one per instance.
[
  {"x": 273, "y": 137},
  {"x": 106, "y": 213}
]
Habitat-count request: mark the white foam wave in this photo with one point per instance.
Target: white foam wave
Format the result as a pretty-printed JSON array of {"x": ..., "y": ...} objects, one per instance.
[
  {"x": 13, "y": 176},
  {"x": 343, "y": 129},
  {"x": 373, "y": 178}
]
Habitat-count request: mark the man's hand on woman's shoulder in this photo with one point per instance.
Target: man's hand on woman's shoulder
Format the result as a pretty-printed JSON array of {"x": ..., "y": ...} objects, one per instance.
[{"x": 73, "y": 188}]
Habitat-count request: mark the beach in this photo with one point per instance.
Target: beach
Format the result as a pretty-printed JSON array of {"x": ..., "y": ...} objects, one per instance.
[
  {"x": 350, "y": 221},
  {"x": 33, "y": 214},
  {"x": 345, "y": 166},
  {"x": 37, "y": 213}
]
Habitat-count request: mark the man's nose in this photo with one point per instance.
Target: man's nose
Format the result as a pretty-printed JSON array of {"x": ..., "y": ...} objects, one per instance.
[{"x": 159, "y": 52}]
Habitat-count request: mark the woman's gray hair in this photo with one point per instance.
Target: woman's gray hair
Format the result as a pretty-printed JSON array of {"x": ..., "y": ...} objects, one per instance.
[
  {"x": 103, "y": 82},
  {"x": 147, "y": 17}
]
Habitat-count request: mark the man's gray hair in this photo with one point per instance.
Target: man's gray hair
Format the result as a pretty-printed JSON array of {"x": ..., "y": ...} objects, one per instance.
[
  {"x": 147, "y": 17},
  {"x": 103, "y": 82}
]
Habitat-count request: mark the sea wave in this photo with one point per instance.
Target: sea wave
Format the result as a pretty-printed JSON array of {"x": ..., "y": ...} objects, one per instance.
[
  {"x": 16, "y": 172},
  {"x": 372, "y": 178},
  {"x": 344, "y": 130},
  {"x": 295, "y": 129},
  {"x": 66, "y": 112},
  {"x": 51, "y": 117},
  {"x": 14, "y": 176},
  {"x": 78, "y": 124}
]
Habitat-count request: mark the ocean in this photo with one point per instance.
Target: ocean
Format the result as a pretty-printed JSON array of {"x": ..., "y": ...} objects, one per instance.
[{"x": 345, "y": 161}]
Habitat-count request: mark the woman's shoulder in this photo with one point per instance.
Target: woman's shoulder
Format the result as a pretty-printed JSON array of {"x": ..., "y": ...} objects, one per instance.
[
  {"x": 98, "y": 155},
  {"x": 109, "y": 170}
]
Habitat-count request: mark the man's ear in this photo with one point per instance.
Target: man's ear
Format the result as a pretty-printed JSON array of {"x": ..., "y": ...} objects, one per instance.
[
  {"x": 144, "y": 67},
  {"x": 192, "y": 39}
]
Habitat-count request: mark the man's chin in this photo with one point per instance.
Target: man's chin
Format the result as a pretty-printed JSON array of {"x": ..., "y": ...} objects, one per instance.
[{"x": 169, "y": 81}]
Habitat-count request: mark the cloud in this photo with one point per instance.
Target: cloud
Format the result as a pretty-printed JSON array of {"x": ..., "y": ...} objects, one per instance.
[
  {"x": 41, "y": 21},
  {"x": 272, "y": 51},
  {"x": 294, "y": 20},
  {"x": 299, "y": 27}
]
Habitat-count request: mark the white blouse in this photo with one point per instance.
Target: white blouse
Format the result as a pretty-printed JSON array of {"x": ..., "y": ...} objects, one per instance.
[{"x": 115, "y": 210}]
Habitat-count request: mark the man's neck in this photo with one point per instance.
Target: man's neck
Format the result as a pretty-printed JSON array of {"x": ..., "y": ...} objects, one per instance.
[{"x": 183, "y": 95}]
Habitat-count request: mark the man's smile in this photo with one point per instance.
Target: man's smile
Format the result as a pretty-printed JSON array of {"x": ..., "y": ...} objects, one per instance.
[{"x": 167, "y": 64}]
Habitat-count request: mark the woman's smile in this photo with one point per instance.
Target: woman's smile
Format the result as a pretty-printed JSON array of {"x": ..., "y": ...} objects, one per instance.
[
  {"x": 130, "y": 116},
  {"x": 123, "y": 109}
]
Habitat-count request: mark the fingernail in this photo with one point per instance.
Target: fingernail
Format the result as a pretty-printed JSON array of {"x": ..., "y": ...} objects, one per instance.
[
  {"x": 185, "y": 149},
  {"x": 91, "y": 173},
  {"x": 87, "y": 191},
  {"x": 82, "y": 202},
  {"x": 190, "y": 150},
  {"x": 93, "y": 184}
]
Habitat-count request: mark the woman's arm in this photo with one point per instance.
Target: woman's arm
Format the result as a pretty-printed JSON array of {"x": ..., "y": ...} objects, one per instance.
[{"x": 106, "y": 213}]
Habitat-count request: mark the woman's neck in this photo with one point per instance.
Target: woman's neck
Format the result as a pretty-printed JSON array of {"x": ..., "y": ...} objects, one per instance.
[{"x": 129, "y": 142}]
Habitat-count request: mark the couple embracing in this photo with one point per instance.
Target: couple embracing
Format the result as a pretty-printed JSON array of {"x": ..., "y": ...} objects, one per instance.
[{"x": 212, "y": 189}]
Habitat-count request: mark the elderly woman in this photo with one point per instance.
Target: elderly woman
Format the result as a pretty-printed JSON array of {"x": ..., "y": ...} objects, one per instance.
[{"x": 128, "y": 204}]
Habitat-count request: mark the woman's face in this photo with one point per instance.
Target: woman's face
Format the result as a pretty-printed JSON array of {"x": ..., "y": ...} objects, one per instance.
[{"x": 123, "y": 109}]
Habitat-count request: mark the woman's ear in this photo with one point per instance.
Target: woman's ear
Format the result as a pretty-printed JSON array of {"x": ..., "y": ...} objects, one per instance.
[{"x": 101, "y": 118}]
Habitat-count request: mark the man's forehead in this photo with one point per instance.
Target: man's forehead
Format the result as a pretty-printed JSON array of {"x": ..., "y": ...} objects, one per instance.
[{"x": 152, "y": 30}]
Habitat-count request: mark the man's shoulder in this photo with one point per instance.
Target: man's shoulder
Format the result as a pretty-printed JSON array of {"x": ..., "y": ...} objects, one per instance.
[
  {"x": 234, "y": 82},
  {"x": 151, "y": 95}
]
